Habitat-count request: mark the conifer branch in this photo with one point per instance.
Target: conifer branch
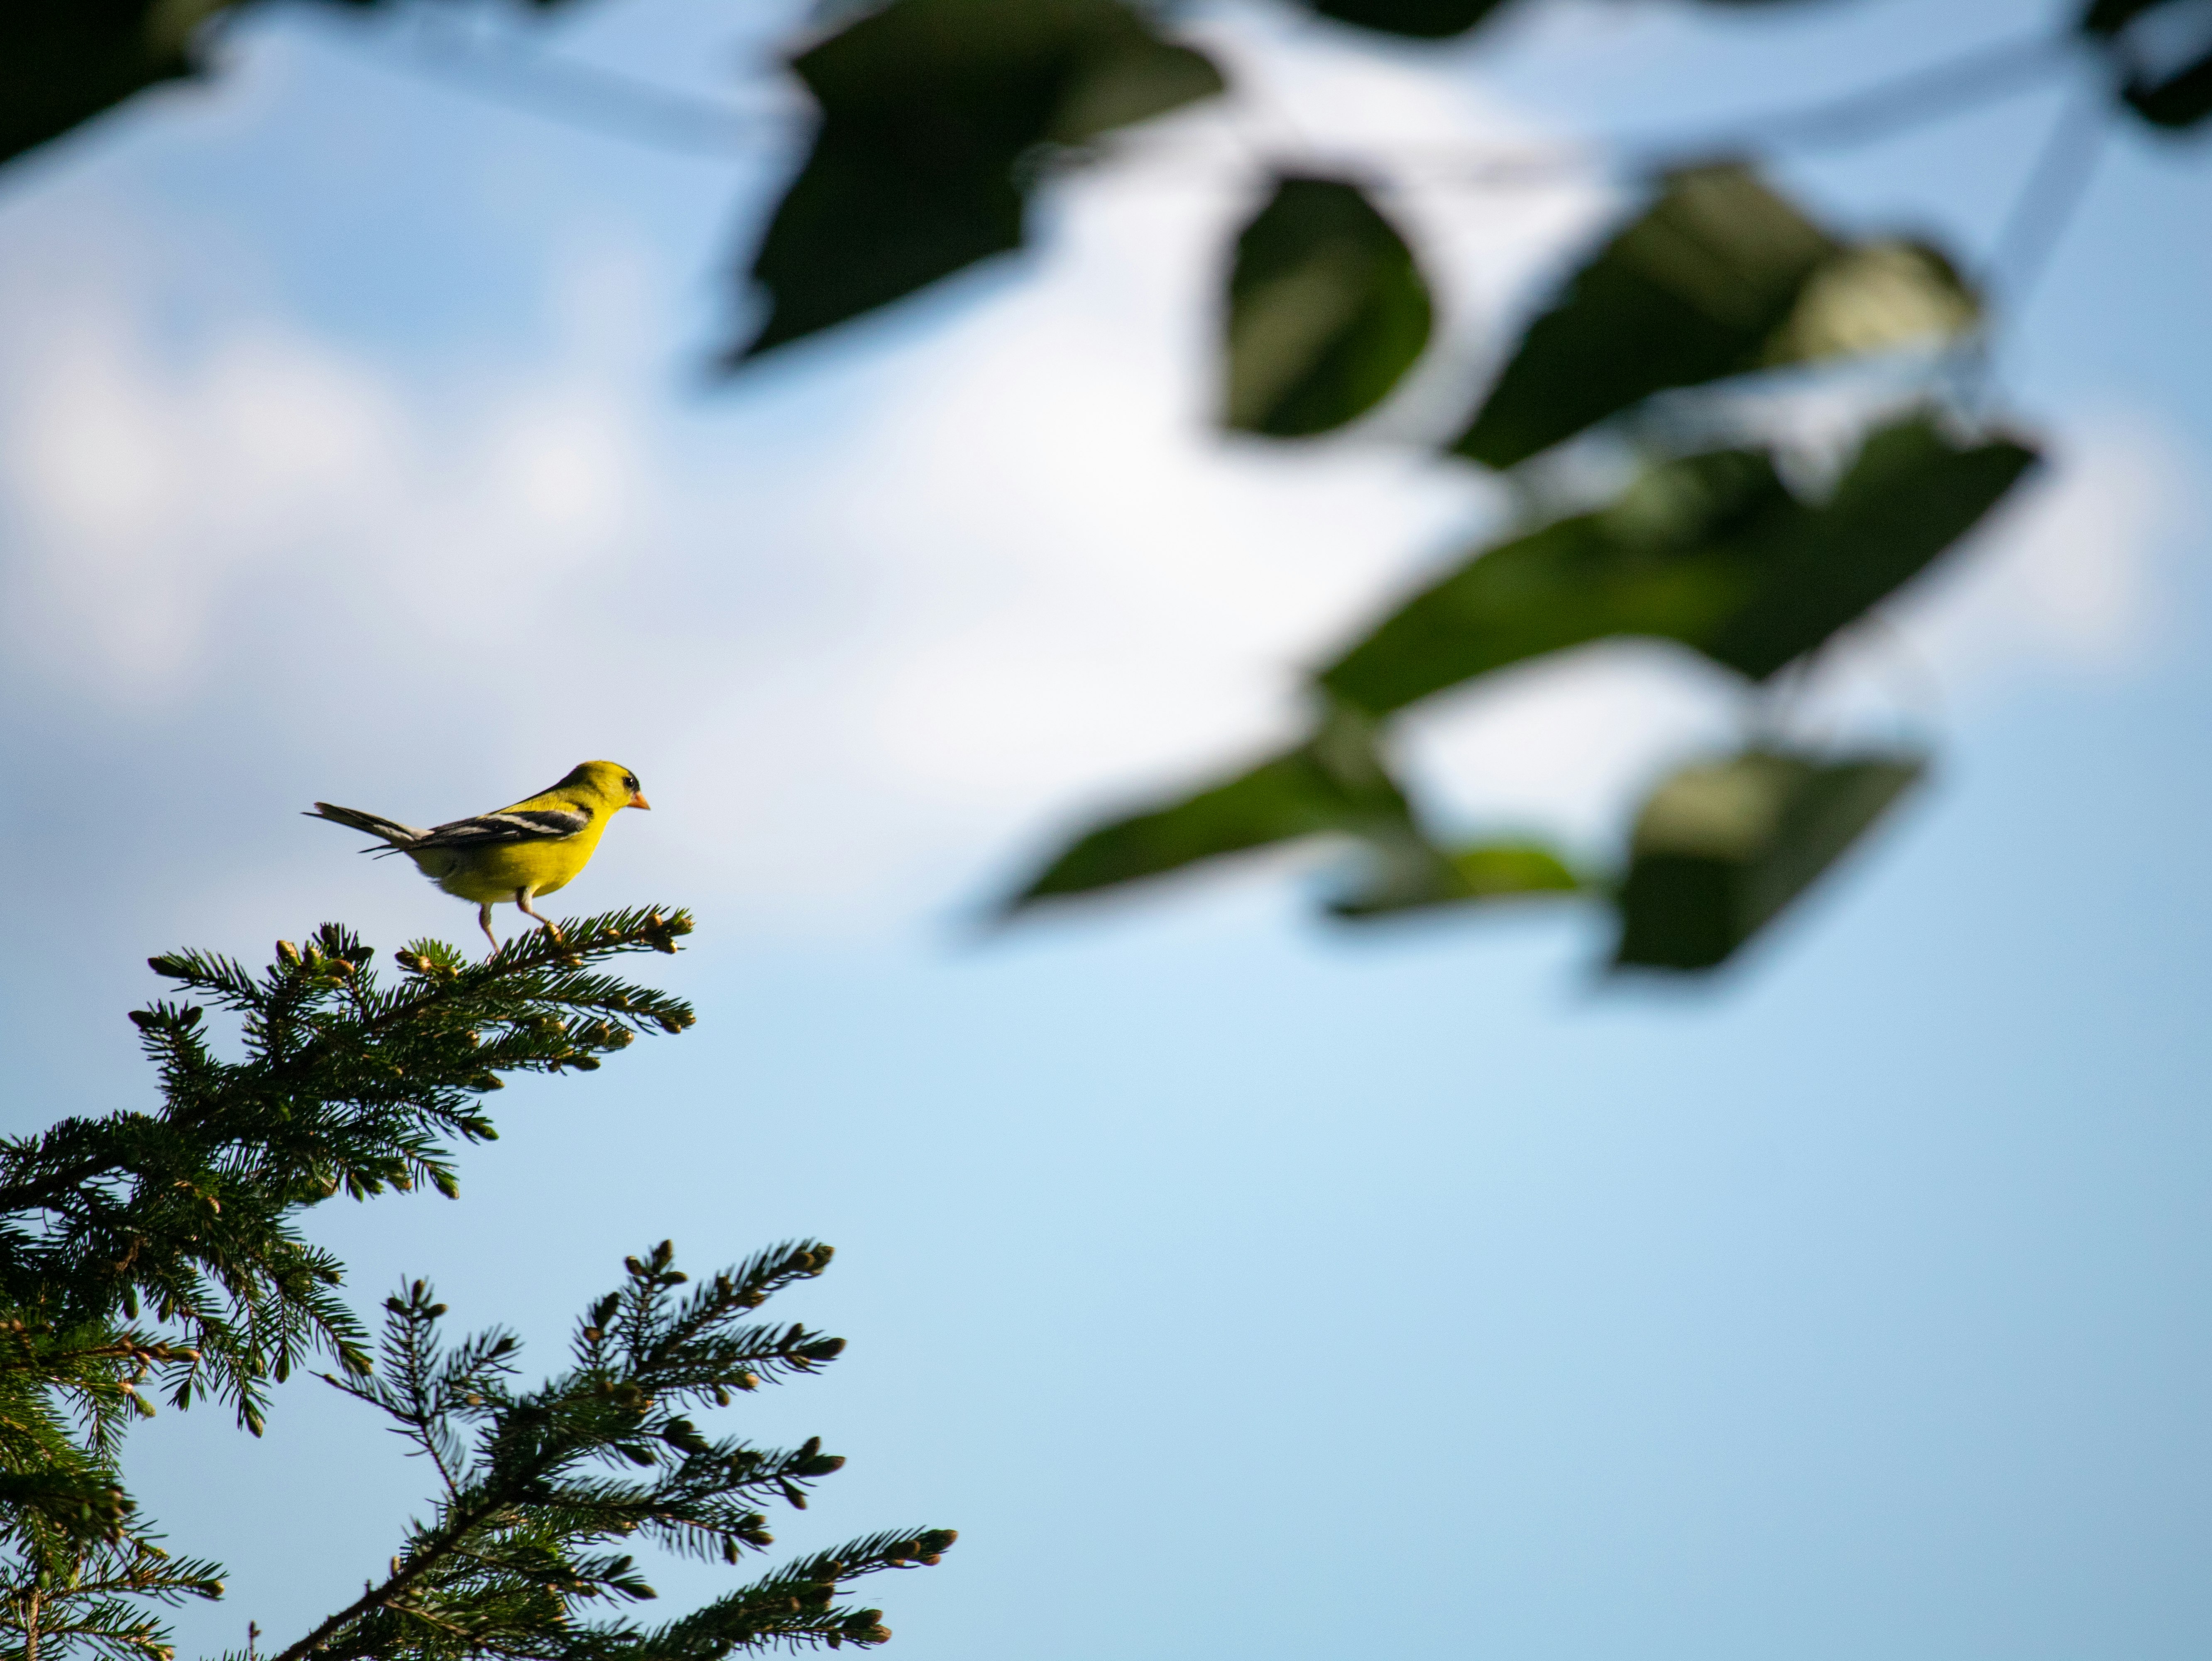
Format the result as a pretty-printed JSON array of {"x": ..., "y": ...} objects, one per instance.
[
  {"x": 187, "y": 1215},
  {"x": 511, "y": 1550}
]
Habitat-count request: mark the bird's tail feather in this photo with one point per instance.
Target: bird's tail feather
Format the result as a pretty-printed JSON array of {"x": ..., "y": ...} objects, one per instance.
[{"x": 376, "y": 824}]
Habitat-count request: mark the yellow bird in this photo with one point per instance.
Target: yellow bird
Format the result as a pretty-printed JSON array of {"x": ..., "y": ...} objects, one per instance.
[{"x": 516, "y": 853}]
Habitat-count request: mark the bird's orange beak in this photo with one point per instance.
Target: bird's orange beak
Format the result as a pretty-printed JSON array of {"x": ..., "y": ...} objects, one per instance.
[{"x": 637, "y": 800}]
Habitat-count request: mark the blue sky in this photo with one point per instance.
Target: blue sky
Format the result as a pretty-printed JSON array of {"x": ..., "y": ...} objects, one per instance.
[{"x": 1237, "y": 1286}]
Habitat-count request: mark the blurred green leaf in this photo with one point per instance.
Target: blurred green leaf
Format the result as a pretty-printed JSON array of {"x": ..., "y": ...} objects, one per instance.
[
  {"x": 1424, "y": 19},
  {"x": 1327, "y": 311},
  {"x": 62, "y": 62},
  {"x": 1675, "y": 556},
  {"x": 1710, "y": 550},
  {"x": 2164, "y": 52},
  {"x": 1719, "y": 276},
  {"x": 927, "y": 106},
  {"x": 1688, "y": 291},
  {"x": 1335, "y": 782},
  {"x": 1873, "y": 297},
  {"x": 1911, "y": 493},
  {"x": 1418, "y": 877},
  {"x": 1722, "y": 847}
]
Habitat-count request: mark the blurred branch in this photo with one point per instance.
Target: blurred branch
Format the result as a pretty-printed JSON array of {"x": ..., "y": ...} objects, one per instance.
[
  {"x": 1935, "y": 92},
  {"x": 590, "y": 99},
  {"x": 2048, "y": 198}
]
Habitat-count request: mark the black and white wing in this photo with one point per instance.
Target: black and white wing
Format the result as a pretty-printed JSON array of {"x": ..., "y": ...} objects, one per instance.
[{"x": 511, "y": 825}]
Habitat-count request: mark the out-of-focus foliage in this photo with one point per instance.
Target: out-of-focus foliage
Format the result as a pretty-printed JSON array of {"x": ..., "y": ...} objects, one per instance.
[
  {"x": 1721, "y": 846},
  {"x": 1720, "y": 275},
  {"x": 1439, "y": 20},
  {"x": 939, "y": 118},
  {"x": 1334, "y": 783},
  {"x": 928, "y": 107},
  {"x": 1337, "y": 783},
  {"x": 1715, "y": 551},
  {"x": 1422, "y": 19},
  {"x": 64, "y": 60},
  {"x": 2162, "y": 50},
  {"x": 1327, "y": 311},
  {"x": 1712, "y": 551}
]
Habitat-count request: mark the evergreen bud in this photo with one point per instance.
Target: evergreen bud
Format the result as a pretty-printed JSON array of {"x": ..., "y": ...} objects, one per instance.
[
  {"x": 747, "y": 1380},
  {"x": 288, "y": 952},
  {"x": 172, "y": 967},
  {"x": 811, "y": 1446}
]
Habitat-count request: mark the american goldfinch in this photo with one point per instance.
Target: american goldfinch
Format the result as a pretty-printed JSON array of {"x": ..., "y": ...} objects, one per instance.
[{"x": 516, "y": 853}]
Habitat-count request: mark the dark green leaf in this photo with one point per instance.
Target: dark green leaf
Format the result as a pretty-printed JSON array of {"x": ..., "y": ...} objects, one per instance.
[
  {"x": 1912, "y": 493},
  {"x": 1404, "y": 880},
  {"x": 1334, "y": 783},
  {"x": 1675, "y": 558},
  {"x": 64, "y": 60},
  {"x": 1870, "y": 298},
  {"x": 1718, "y": 277},
  {"x": 2164, "y": 52},
  {"x": 927, "y": 107},
  {"x": 1710, "y": 551},
  {"x": 1327, "y": 311},
  {"x": 1720, "y": 848},
  {"x": 1424, "y": 19},
  {"x": 1690, "y": 290}
]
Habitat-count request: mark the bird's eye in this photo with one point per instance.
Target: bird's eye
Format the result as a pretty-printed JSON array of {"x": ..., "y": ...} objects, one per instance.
[{"x": 630, "y": 781}]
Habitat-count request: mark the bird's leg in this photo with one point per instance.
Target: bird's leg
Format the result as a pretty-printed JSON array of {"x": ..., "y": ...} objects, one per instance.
[
  {"x": 522, "y": 900},
  {"x": 483, "y": 920}
]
